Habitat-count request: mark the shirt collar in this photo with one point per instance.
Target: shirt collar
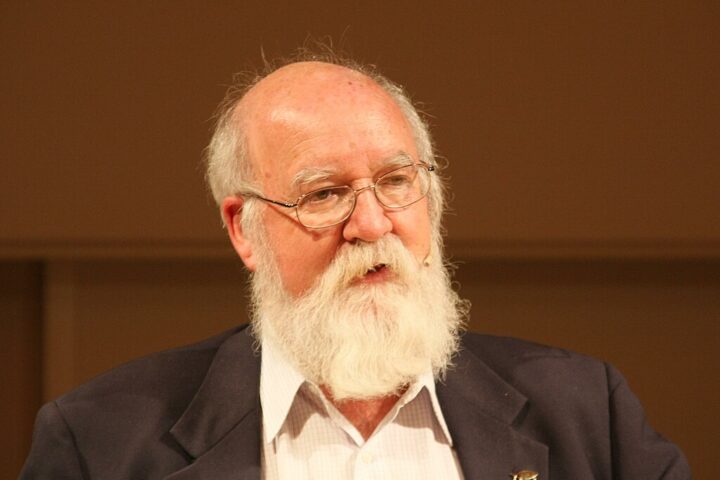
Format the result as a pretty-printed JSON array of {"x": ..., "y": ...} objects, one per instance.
[
  {"x": 280, "y": 382},
  {"x": 426, "y": 380}
]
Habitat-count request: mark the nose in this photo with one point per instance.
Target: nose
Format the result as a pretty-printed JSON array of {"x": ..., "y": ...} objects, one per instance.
[{"x": 369, "y": 221}]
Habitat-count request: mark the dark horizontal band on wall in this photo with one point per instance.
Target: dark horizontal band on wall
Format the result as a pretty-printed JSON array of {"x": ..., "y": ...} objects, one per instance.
[
  {"x": 457, "y": 249},
  {"x": 584, "y": 249},
  {"x": 69, "y": 249}
]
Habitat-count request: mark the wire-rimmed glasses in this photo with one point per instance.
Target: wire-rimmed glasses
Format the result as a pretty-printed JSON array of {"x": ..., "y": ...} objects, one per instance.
[{"x": 333, "y": 205}]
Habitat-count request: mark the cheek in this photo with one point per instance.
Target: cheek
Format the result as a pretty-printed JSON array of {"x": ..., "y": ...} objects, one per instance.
[
  {"x": 414, "y": 229},
  {"x": 302, "y": 258},
  {"x": 299, "y": 271}
]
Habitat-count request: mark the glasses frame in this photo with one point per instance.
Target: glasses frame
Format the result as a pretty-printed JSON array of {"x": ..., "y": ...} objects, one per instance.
[{"x": 356, "y": 192}]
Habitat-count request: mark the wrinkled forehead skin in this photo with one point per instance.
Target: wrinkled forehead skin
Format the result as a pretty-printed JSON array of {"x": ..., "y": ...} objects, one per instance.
[{"x": 312, "y": 112}]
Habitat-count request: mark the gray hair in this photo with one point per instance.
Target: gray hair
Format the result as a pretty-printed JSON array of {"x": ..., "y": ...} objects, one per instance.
[{"x": 229, "y": 170}]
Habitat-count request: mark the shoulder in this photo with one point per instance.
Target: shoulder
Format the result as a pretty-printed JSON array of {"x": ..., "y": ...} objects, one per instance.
[
  {"x": 552, "y": 379},
  {"x": 119, "y": 421},
  {"x": 170, "y": 371},
  {"x": 533, "y": 365},
  {"x": 148, "y": 394},
  {"x": 509, "y": 356},
  {"x": 575, "y": 404}
]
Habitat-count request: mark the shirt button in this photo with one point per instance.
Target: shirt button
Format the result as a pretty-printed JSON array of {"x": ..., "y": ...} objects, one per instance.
[{"x": 367, "y": 457}]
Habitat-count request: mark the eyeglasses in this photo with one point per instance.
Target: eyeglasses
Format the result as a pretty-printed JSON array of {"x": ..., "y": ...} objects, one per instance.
[{"x": 330, "y": 206}]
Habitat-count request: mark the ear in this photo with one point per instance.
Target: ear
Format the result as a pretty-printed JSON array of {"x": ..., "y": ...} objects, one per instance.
[{"x": 231, "y": 209}]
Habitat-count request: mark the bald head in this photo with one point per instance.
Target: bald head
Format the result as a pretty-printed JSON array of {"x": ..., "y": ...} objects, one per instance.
[
  {"x": 309, "y": 87},
  {"x": 308, "y": 114}
]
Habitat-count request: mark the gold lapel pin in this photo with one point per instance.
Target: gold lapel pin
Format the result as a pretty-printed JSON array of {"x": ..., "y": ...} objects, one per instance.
[{"x": 525, "y": 475}]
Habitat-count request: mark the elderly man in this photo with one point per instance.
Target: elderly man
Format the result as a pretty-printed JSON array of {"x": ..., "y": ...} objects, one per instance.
[{"x": 325, "y": 177}]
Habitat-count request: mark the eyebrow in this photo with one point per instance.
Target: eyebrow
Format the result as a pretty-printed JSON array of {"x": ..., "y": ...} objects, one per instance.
[
  {"x": 399, "y": 160},
  {"x": 310, "y": 175}
]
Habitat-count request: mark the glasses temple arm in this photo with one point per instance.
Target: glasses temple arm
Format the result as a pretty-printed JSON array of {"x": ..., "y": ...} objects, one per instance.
[{"x": 274, "y": 202}]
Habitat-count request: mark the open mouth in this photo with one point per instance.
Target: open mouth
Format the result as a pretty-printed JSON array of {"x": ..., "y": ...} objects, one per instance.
[
  {"x": 377, "y": 268},
  {"x": 380, "y": 272}
]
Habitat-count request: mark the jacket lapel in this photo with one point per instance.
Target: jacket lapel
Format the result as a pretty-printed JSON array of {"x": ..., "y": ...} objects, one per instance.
[
  {"x": 484, "y": 414},
  {"x": 220, "y": 429}
]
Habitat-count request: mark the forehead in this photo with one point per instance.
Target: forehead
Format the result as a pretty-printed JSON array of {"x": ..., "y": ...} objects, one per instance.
[{"x": 319, "y": 116}]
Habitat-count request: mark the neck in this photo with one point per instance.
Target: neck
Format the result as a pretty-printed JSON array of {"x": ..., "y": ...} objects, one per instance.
[{"x": 365, "y": 415}]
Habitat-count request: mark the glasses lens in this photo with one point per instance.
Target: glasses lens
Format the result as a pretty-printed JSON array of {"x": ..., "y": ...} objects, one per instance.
[
  {"x": 403, "y": 186},
  {"x": 325, "y": 207}
]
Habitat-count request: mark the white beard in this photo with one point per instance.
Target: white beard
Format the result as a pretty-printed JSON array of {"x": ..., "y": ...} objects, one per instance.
[{"x": 362, "y": 340}]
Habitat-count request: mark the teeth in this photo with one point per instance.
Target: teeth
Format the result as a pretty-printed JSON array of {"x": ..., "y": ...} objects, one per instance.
[{"x": 376, "y": 268}]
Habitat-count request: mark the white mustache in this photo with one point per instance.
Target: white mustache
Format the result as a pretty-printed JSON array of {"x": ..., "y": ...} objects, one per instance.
[{"x": 353, "y": 261}]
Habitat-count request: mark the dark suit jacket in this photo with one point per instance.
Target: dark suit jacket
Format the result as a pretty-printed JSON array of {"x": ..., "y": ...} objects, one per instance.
[{"x": 194, "y": 413}]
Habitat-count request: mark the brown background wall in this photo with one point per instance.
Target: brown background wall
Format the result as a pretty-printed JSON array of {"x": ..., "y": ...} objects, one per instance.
[{"x": 581, "y": 139}]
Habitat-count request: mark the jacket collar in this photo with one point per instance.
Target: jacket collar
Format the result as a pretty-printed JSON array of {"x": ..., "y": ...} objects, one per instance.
[
  {"x": 483, "y": 412},
  {"x": 220, "y": 429}
]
